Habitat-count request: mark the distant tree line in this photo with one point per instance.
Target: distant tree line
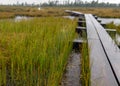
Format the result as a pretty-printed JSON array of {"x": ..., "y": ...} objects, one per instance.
[
  {"x": 67, "y": 3},
  {"x": 79, "y": 3}
]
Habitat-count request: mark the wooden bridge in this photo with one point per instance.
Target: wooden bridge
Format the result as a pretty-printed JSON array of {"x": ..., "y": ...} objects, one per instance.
[{"x": 104, "y": 53}]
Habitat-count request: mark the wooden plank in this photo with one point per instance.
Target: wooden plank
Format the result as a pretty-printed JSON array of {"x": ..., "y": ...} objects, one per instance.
[
  {"x": 111, "y": 49},
  {"x": 79, "y": 41},
  {"x": 101, "y": 73},
  {"x": 77, "y": 44},
  {"x": 81, "y": 18},
  {"x": 81, "y": 23},
  {"x": 110, "y": 30},
  {"x": 75, "y": 13},
  {"x": 81, "y": 28}
]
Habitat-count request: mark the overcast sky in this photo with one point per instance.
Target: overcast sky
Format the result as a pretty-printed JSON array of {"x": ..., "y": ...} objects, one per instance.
[{"x": 41, "y": 1}]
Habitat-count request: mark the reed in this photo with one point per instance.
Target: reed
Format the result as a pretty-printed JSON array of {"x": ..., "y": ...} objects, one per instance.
[
  {"x": 113, "y": 26},
  {"x": 85, "y": 66},
  {"x": 34, "y": 52}
]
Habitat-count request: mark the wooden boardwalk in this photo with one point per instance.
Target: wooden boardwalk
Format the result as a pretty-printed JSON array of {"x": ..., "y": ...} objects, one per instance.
[
  {"x": 104, "y": 53},
  {"x": 110, "y": 49},
  {"x": 101, "y": 71}
]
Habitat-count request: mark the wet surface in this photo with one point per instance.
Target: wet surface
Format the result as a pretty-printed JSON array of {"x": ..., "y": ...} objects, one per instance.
[
  {"x": 69, "y": 17},
  {"x": 20, "y": 18},
  {"x": 72, "y": 74},
  {"x": 116, "y": 21},
  {"x": 99, "y": 43}
]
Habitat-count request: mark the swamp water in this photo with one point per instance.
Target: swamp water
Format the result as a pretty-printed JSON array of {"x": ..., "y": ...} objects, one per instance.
[
  {"x": 116, "y": 21},
  {"x": 20, "y": 18},
  {"x": 72, "y": 73}
]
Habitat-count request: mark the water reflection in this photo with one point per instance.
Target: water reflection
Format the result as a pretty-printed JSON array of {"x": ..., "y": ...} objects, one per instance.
[
  {"x": 70, "y": 17},
  {"x": 20, "y": 18},
  {"x": 116, "y": 21}
]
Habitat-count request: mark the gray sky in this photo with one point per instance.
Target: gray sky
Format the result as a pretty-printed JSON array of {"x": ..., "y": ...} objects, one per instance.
[{"x": 41, "y": 1}]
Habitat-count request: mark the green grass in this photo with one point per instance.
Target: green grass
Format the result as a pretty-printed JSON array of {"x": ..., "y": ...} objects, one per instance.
[
  {"x": 34, "y": 52},
  {"x": 85, "y": 66},
  {"x": 113, "y": 26}
]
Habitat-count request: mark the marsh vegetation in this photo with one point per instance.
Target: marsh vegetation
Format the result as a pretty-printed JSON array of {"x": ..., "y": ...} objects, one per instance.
[
  {"x": 85, "y": 66},
  {"x": 34, "y": 52},
  {"x": 113, "y": 26},
  {"x": 55, "y": 11}
]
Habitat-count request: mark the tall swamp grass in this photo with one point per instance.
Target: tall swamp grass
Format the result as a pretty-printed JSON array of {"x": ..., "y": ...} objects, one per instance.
[
  {"x": 85, "y": 65},
  {"x": 34, "y": 52},
  {"x": 113, "y": 26}
]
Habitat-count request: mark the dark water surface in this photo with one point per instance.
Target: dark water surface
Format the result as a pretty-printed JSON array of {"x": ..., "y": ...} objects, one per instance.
[{"x": 72, "y": 74}]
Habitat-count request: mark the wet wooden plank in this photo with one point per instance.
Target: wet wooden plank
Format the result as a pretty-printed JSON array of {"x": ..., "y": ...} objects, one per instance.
[
  {"x": 69, "y": 11},
  {"x": 104, "y": 54},
  {"x": 110, "y": 30},
  {"x": 101, "y": 73},
  {"x": 75, "y": 13},
  {"x": 79, "y": 41},
  {"x": 111, "y": 49},
  {"x": 81, "y": 23},
  {"x": 81, "y": 18},
  {"x": 80, "y": 29}
]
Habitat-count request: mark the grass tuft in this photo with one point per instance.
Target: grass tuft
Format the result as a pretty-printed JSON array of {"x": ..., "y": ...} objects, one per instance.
[{"x": 85, "y": 66}]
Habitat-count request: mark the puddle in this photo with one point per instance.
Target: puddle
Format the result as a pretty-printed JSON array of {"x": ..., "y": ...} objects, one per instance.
[
  {"x": 20, "y": 18},
  {"x": 116, "y": 21},
  {"x": 69, "y": 17},
  {"x": 72, "y": 74}
]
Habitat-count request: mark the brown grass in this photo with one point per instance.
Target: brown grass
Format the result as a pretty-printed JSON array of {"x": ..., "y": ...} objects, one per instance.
[
  {"x": 29, "y": 11},
  {"x": 102, "y": 12},
  {"x": 55, "y": 11}
]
